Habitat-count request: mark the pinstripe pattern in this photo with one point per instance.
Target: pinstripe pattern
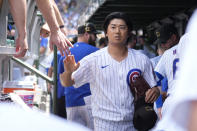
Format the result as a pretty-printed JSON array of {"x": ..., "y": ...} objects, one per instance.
[
  {"x": 104, "y": 125},
  {"x": 165, "y": 66},
  {"x": 111, "y": 97}
]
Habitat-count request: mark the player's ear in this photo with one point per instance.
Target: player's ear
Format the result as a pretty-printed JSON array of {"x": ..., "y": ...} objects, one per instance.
[
  {"x": 86, "y": 35},
  {"x": 106, "y": 34}
]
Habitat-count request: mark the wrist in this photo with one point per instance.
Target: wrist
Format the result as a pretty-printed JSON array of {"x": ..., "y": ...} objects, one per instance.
[
  {"x": 55, "y": 29},
  {"x": 67, "y": 73},
  {"x": 61, "y": 26},
  {"x": 157, "y": 90},
  {"x": 22, "y": 34}
]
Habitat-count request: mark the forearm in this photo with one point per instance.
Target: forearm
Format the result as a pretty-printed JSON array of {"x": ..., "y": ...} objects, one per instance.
[
  {"x": 50, "y": 72},
  {"x": 47, "y": 10},
  {"x": 18, "y": 10},
  {"x": 57, "y": 13},
  {"x": 59, "y": 17},
  {"x": 66, "y": 79}
]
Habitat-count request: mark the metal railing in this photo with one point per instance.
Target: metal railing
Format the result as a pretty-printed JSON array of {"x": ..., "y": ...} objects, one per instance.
[{"x": 34, "y": 23}]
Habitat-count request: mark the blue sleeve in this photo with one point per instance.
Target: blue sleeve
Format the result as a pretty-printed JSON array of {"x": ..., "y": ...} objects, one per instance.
[
  {"x": 159, "y": 102},
  {"x": 164, "y": 84},
  {"x": 159, "y": 78},
  {"x": 44, "y": 42}
]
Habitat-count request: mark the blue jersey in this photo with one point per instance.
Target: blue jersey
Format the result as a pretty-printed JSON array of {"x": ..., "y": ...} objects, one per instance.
[{"x": 74, "y": 96}]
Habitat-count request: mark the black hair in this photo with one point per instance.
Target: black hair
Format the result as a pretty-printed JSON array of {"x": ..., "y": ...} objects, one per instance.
[
  {"x": 102, "y": 41},
  {"x": 117, "y": 15}
]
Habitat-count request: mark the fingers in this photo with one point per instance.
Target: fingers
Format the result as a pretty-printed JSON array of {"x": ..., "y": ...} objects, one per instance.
[
  {"x": 68, "y": 42},
  {"x": 67, "y": 52},
  {"x": 21, "y": 53},
  {"x": 61, "y": 51},
  {"x": 21, "y": 47},
  {"x": 151, "y": 95},
  {"x": 61, "y": 42},
  {"x": 148, "y": 95},
  {"x": 78, "y": 64},
  {"x": 17, "y": 45}
]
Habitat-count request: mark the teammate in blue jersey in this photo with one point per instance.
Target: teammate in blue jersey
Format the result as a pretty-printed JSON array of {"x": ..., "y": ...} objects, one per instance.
[{"x": 77, "y": 109}]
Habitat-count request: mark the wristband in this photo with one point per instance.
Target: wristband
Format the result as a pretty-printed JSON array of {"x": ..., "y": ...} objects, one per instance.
[{"x": 61, "y": 26}]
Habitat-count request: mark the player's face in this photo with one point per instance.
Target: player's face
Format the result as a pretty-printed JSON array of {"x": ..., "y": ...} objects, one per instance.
[
  {"x": 117, "y": 32},
  {"x": 168, "y": 44}
]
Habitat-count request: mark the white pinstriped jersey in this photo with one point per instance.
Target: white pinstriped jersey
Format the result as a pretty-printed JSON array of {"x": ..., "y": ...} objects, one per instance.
[
  {"x": 108, "y": 78},
  {"x": 167, "y": 66},
  {"x": 185, "y": 92}
]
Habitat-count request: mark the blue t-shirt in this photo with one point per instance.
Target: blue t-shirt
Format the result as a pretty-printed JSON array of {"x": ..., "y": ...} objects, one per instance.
[
  {"x": 74, "y": 96},
  {"x": 44, "y": 42},
  {"x": 60, "y": 91}
]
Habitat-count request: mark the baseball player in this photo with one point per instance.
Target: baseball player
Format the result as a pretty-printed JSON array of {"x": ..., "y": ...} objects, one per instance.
[
  {"x": 109, "y": 72},
  {"x": 164, "y": 83},
  {"x": 167, "y": 65},
  {"x": 182, "y": 114},
  {"x": 77, "y": 108}
]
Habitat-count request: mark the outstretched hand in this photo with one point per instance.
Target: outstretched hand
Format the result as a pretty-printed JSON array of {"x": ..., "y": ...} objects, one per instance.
[
  {"x": 59, "y": 39},
  {"x": 70, "y": 65},
  {"x": 21, "y": 46}
]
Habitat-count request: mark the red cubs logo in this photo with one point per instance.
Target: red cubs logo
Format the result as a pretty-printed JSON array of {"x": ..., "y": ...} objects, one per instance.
[{"x": 132, "y": 75}]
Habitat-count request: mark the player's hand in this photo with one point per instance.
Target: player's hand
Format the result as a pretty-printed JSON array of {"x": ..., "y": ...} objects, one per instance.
[
  {"x": 152, "y": 95},
  {"x": 70, "y": 65},
  {"x": 139, "y": 86},
  {"x": 64, "y": 31},
  {"x": 21, "y": 46},
  {"x": 164, "y": 96},
  {"x": 159, "y": 113},
  {"x": 59, "y": 39}
]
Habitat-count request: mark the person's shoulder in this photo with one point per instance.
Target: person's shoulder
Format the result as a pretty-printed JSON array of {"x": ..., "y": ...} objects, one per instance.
[
  {"x": 137, "y": 53},
  {"x": 97, "y": 54},
  {"x": 155, "y": 59},
  {"x": 172, "y": 50},
  {"x": 83, "y": 46}
]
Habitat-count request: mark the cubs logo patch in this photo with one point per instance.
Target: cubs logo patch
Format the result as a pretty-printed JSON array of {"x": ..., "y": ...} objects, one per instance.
[{"x": 132, "y": 75}]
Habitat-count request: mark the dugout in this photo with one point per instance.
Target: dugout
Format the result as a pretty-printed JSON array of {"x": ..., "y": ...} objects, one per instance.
[
  {"x": 146, "y": 15},
  {"x": 12, "y": 67}
]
